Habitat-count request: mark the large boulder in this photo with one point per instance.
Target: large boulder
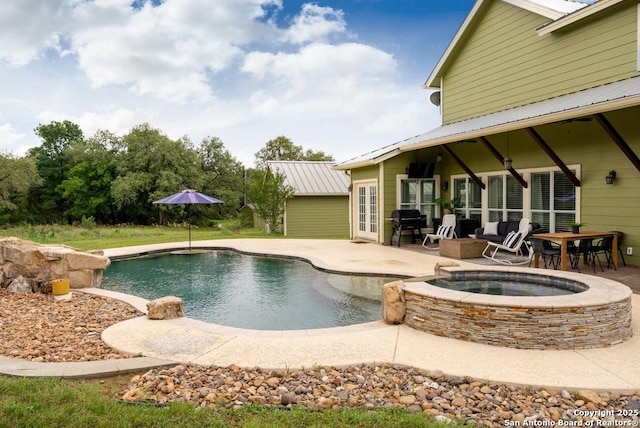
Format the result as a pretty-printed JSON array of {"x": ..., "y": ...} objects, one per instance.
[
  {"x": 77, "y": 261},
  {"x": 393, "y": 303},
  {"x": 165, "y": 308},
  {"x": 42, "y": 263},
  {"x": 21, "y": 285}
]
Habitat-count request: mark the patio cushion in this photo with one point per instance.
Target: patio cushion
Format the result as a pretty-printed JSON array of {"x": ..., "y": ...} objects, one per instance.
[{"x": 491, "y": 228}]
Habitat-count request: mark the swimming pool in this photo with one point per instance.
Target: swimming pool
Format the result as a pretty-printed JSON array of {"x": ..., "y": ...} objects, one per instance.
[{"x": 253, "y": 292}]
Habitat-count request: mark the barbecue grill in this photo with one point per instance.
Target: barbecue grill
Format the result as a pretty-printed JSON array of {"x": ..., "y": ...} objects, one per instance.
[{"x": 407, "y": 220}]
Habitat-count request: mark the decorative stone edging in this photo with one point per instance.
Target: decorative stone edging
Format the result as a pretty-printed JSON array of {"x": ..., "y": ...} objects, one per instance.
[{"x": 597, "y": 317}]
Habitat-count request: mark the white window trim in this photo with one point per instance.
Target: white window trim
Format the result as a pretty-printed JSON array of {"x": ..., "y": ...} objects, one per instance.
[
  {"x": 401, "y": 177},
  {"x": 526, "y": 194}
]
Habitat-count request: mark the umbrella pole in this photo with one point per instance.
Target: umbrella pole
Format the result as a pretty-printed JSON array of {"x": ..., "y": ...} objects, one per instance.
[{"x": 189, "y": 220}]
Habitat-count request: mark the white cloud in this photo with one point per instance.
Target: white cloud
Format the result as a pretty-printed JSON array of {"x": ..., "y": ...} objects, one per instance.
[
  {"x": 315, "y": 23},
  {"x": 166, "y": 50},
  {"x": 12, "y": 139},
  {"x": 322, "y": 66},
  {"x": 29, "y": 27},
  {"x": 116, "y": 119}
]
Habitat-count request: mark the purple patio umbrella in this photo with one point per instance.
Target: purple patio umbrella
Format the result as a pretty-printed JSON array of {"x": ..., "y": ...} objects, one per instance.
[{"x": 188, "y": 197}]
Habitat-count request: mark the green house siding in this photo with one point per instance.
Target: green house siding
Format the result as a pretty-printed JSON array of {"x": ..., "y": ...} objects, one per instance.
[
  {"x": 366, "y": 173},
  {"x": 318, "y": 216},
  {"x": 500, "y": 66}
]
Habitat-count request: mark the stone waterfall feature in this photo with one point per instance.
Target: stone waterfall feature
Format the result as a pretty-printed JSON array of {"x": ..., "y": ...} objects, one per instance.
[{"x": 27, "y": 266}]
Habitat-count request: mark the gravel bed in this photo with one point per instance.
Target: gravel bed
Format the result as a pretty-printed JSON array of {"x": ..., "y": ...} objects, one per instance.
[
  {"x": 36, "y": 327},
  {"x": 373, "y": 386}
]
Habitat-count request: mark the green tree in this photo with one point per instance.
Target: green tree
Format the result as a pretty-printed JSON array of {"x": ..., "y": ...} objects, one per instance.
[
  {"x": 269, "y": 197},
  {"x": 17, "y": 176},
  {"x": 152, "y": 166},
  {"x": 88, "y": 184},
  {"x": 223, "y": 176},
  {"x": 47, "y": 204},
  {"x": 283, "y": 149},
  {"x": 268, "y": 191}
]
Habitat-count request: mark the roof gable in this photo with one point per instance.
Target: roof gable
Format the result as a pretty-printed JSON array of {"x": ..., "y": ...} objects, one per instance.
[
  {"x": 552, "y": 9},
  {"x": 312, "y": 178}
]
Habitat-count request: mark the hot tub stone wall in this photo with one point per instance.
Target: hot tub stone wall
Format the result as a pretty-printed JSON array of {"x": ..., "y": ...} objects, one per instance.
[{"x": 519, "y": 327}]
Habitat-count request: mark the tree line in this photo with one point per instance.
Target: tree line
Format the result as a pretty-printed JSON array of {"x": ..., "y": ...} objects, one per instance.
[{"x": 113, "y": 179}]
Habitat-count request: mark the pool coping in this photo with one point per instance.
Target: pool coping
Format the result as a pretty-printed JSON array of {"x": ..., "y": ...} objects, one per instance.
[{"x": 613, "y": 369}]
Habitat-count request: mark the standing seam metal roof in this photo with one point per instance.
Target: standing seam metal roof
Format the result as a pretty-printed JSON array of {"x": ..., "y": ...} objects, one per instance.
[{"x": 312, "y": 178}]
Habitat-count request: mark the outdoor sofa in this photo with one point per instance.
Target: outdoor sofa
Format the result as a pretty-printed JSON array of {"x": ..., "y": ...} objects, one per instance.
[{"x": 498, "y": 231}]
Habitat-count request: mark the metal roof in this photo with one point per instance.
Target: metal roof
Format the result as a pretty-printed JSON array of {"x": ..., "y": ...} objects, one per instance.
[
  {"x": 312, "y": 178},
  {"x": 611, "y": 96}
]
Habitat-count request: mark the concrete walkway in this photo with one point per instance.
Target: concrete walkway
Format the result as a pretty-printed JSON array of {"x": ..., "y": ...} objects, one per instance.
[{"x": 185, "y": 340}]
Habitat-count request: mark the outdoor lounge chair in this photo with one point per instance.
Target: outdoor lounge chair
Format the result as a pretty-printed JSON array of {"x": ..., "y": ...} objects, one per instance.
[
  {"x": 446, "y": 231},
  {"x": 514, "y": 245}
]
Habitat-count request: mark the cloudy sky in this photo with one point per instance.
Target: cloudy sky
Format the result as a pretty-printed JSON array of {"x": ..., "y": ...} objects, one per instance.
[{"x": 342, "y": 76}]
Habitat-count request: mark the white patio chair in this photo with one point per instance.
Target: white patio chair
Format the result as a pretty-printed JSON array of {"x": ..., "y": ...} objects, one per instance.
[
  {"x": 513, "y": 244},
  {"x": 446, "y": 231}
]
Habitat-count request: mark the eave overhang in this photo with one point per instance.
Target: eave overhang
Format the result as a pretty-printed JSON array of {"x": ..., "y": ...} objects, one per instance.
[
  {"x": 608, "y": 97},
  {"x": 576, "y": 16}
]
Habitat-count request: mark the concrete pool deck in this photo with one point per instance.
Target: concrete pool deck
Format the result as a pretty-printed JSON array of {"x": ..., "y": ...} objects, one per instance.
[{"x": 184, "y": 340}]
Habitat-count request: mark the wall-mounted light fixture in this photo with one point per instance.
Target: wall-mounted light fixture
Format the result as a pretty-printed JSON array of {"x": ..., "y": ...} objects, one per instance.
[
  {"x": 439, "y": 157},
  {"x": 611, "y": 177},
  {"x": 445, "y": 185}
]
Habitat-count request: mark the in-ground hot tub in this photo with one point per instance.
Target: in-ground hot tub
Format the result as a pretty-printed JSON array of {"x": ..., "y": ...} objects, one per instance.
[{"x": 583, "y": 311}]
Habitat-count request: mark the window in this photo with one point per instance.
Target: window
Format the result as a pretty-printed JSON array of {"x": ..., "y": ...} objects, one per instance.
[
  {"x": 505, "y": 198},
  {"x": 470, "y": 195},
  {"x": 550, "y": 199},
  {"x": 553, "y": 200},
  {"x": 418, "y": 194},
  {"x": 496, "y": 197}
]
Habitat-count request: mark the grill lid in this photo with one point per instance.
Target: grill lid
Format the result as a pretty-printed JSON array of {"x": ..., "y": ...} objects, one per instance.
[{"x": 405, "y": 214}]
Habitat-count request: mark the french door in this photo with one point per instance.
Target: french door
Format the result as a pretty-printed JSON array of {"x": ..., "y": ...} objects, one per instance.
[{"x": 367, "y": 210}]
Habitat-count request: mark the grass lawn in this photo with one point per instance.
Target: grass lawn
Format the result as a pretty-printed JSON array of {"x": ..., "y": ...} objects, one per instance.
[
  {"x": 100, "y": 237},
  {"x": 31, "y": 402}
]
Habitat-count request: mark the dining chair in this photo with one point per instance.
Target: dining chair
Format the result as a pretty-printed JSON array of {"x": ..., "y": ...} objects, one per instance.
[
  {"x": 547, "y": 252},
  {"x": 582, "y": 250},
  {"x": 620, "y": 236}
]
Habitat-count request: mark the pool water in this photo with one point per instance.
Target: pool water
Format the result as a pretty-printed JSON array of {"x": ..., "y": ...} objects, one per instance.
[
  {"x": 253, "y": 292},
  {"x": 501, "y": 287}
]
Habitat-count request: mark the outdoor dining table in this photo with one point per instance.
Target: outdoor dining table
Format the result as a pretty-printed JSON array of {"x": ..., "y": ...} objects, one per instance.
[{"x": 564, "y": 237}]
